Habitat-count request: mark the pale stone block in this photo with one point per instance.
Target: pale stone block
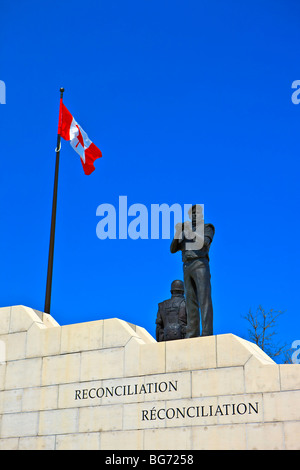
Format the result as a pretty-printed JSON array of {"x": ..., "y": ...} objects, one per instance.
[
  {"x": 4, "y": 320},
  {"x": 61, "y": 369},
  {"x": 228, "y": 437},
  {"x": 144, "y": 335},
  {"x": 265, "y": 436},
  {"x": 122, "y": 440},
  {"x": 231, "y": 352},
  {"x": 48, "y": 320},
  {"x": 152, "y": 358},
  {"x": 82, "y": 336},
  {"x": 19, "y": 425},
  {"x": 51, "y": 341},
  {"x": 34, "y": 346},
  {"x": 9, "y": 444},
  {"x": 11, "y": 401},
  {"x": 41, "y": 398},
  {"x": 116, "y": 333},
  {"x": 292, "y": 433},
  {"x": 42, "y": 341},
  {"x": 23, "y": 373},
  {"x": 190, "y": 354},
  {"x": 58, "y": 422},
  {"x": 282, "y": 406},
  {"x": 22, "y": 318},
  {"x": 221, "y": 381},
  {"x": 102, "y": 418},
  {"x": 290, "y": 376},
  {"x": 37, "y": 443},
  {"x": 260, "y": 377},
  {"x": 255, "y": 350},
  {"x": 167, "y": 439},
  {"x": 86, "y": 441},
  {"x": 132, "y": 356},
  {"x": 15, "y": 346},
  {"x": 102, "y": 364},
  {"x": 3, "y": 355},
  {"x": 2, "y": 374}
]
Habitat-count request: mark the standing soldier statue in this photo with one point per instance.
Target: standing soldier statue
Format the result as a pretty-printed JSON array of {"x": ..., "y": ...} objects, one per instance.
[
  {"x": 194, "y": 241},
  {"x": 171, "y": 315}
]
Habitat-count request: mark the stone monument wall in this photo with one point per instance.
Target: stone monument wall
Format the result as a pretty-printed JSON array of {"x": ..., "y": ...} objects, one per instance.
[{"x": 108, "y": 384}]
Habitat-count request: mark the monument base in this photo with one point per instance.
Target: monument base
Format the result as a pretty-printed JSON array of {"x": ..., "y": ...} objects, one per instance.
[{"x": 109, "y": 385}]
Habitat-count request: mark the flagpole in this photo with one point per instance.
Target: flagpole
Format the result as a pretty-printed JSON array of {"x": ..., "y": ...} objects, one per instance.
[{"x": 53, "y": 221}]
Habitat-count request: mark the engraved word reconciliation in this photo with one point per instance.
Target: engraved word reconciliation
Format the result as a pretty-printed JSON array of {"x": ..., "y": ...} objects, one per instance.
[{"x": 123, "y": 390}]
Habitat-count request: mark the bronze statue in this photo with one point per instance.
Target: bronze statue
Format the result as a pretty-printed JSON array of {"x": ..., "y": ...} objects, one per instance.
[
  {"x": 194, "y": 241},
  {"x": 171, "y": 315}
]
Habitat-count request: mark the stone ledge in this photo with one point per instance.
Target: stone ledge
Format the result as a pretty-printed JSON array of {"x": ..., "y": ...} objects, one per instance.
[
  {"x": 216, "y": 392},
  {"x": 45, "y": 338}
]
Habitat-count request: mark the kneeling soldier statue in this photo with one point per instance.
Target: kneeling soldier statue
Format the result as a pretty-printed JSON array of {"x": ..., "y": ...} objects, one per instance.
[{"x": 171, "y": 315}]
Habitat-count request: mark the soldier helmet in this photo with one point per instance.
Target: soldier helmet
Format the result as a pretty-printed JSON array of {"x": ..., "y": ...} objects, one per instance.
[{"x": 177, "y": 286}]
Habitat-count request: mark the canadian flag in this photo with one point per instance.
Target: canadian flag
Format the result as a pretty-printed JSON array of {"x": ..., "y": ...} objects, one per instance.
[{"x": 70, "y": 130}]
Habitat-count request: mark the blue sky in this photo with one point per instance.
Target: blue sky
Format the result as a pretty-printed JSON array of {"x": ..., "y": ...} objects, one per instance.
[{"x": 189, "y": 102}]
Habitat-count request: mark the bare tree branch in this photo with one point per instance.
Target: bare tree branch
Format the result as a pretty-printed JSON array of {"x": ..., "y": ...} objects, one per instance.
[{"x": 262, "y": 331}]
